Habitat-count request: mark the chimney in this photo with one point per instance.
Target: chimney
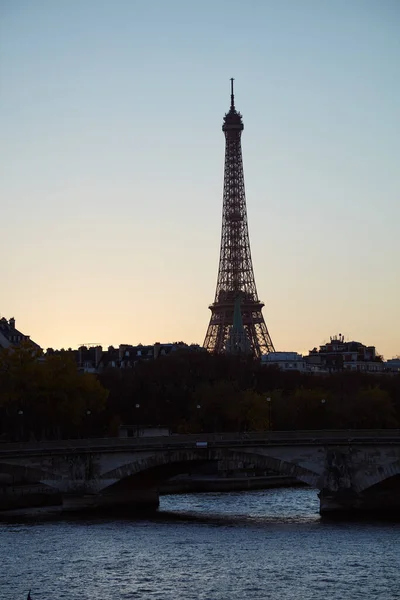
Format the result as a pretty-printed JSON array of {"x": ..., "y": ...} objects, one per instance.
[{"x": 11, "y": 323}]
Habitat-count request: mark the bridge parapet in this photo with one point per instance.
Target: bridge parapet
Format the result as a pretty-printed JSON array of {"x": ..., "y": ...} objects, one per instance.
[{"x": 301, "y": 437}]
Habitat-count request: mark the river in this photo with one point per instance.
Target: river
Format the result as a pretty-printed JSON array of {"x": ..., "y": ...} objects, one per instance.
[{"x": 260, "y": 545}]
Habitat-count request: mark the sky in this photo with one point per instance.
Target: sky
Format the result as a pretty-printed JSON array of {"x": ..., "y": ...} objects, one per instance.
[{"x": 112, "y": 156}]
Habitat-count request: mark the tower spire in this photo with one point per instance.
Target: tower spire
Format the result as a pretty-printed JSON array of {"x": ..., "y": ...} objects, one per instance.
[{"x": 236, "y": 318}]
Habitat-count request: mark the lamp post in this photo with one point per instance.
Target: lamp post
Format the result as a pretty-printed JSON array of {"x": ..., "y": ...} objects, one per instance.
[
  {"x": 323, "y": 401},
  {"x": 269, "y": 413},
  {"x": 88, "y": 422},
  {"x": 198, "y": 408},
  {"x": 20, "y": 424},
  {"x": 137, "y": 406}
]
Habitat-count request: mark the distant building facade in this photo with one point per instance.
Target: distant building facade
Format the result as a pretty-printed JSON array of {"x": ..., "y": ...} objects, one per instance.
[
  {"x": 93, "y": 359},
  {"x": 126, "y": 431},
  {"x": 339, "y": 355},
  {"x": 393, "y": 365},
  {"x": 11, "y": 336},
  {"x": 334, "y": 356},
  {"x": 286, "y": 361}
]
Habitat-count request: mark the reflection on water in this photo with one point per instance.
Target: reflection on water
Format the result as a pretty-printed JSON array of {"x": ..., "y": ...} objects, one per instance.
[{"x": 258, "y": 545}]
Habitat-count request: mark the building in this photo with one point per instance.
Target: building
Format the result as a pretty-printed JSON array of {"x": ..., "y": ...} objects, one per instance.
[
  {"x": 127, "y": 431},
  {"x": 393, "y": 365},
  {"x": 92, "y": 358},
  {"x": 339, "y": 355},
  {"x": 10, "y": 336},
  {"x": 88, "y": 357},
  {"x": 334, "y": 356},
  {"x": 286, "y": 361}
]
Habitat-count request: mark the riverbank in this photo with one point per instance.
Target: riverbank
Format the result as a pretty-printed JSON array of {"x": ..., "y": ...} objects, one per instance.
[
  {"x": 28, "y": 496},
  {"x": 37, "y": 496}
]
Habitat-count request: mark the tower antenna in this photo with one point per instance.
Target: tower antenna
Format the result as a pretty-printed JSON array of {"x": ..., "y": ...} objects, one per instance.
[{"x": 232, "y": 95}]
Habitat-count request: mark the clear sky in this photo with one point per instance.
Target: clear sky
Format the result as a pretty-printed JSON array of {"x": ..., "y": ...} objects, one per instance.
[{"x": 111, "y": 159}]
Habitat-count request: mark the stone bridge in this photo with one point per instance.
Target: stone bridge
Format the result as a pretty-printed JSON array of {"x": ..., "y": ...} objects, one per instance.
[{"x": 352, "y": 470}]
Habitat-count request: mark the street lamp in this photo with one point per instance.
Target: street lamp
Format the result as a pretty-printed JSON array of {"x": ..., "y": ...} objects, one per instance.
[
  {"x": 198, "y": 419},
  {"x": 323, "y": 401},
  {"x": 87, "y": 424},
  {"x": 137, "y": 406},
  {"x": 21, "y": 424},
  {"x": 269, "y": 413}
]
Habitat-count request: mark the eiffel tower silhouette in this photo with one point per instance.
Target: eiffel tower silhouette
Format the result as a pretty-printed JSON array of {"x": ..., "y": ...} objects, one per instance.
[{"x": 237, "y": 324}]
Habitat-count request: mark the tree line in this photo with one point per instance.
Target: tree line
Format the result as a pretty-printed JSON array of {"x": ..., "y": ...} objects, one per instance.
[{"x": 46, "y": 397}]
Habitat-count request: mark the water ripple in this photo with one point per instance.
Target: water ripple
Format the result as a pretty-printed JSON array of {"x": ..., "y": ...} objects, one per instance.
[{"x": 264, "y": 545}]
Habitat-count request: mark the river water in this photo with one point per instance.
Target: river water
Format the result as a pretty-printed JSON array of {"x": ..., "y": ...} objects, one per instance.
[{"x": 257, "y": 545}]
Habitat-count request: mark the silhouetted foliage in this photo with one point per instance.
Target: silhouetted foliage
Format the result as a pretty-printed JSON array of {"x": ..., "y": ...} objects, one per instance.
[
  {"x": 47, "y": 397},
  {"x": 195, "y": 391}
]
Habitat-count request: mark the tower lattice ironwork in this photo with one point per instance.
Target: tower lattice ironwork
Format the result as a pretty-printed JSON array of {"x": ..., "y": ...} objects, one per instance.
[{"x": 237, "y": 324}]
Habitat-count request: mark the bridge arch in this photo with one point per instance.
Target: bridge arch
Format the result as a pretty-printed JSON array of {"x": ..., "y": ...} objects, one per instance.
[
  {"x": 379, "y": 475},
  {"x": 161, "y": 466},
  {"x": 16, "y": 473}
]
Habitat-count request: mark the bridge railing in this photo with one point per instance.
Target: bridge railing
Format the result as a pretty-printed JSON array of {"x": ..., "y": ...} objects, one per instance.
[{"x": 205, "y": 439}]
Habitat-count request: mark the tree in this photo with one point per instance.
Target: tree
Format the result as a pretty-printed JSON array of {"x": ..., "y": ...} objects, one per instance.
[
  {"x": 370, "y": 408},
  {"x": 46, "y": 397}
]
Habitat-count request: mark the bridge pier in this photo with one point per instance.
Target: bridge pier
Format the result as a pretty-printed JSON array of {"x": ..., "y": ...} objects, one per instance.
[
  {"x": 346, "y": 485},
  {"x": 336, "y": 502},
  {"x": 380, "y": 502}
]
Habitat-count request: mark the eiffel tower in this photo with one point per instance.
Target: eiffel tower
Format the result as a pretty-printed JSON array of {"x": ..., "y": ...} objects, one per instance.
[{"x": 237, "y": 325}]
